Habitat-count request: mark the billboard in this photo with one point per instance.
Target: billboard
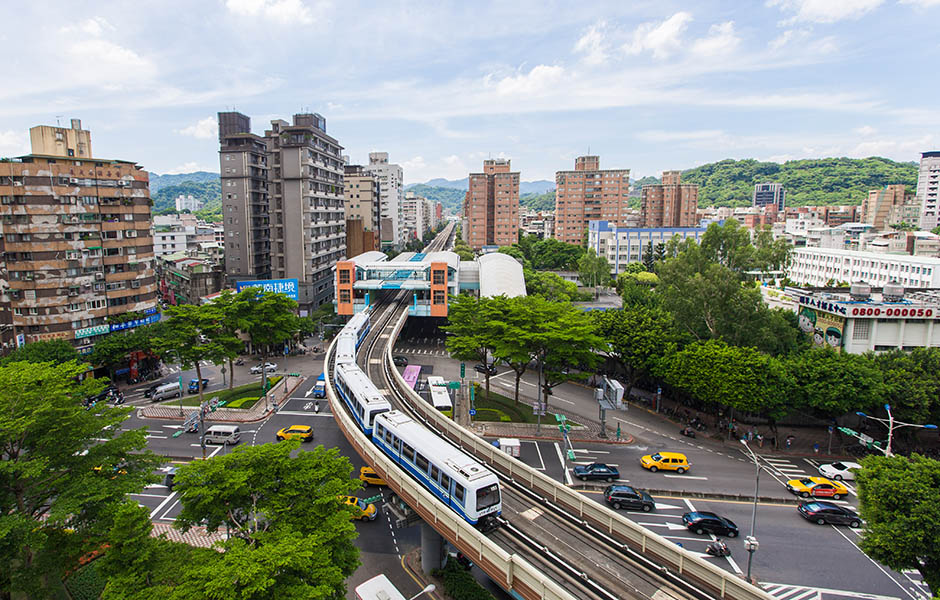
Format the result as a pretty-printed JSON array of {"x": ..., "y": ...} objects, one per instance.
[
  {"x": 825, "y": 329},
  {"x": 288, "y": 287}
]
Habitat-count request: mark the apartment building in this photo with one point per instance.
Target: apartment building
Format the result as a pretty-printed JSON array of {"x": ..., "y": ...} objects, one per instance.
[
  {"x": 818, "y": 267},
  {"x": 188, "y": 202},
  {"x": 391, "y": 182},
  {"x": 624, "y": 245},
  {"x": 187, "y": 277},
  {"x": 540, "y": 224},
  {"x": 770, "y": 194},
  {"x": 887, "y": 206},
  {"x": 77, "y": 243},
  {"x": 179, "y": 233},
  {"x": 589, "y": 194},
  {"x": 416, "y": 216},
  {"x": 491, "y": 206},
  {"x": 283, "y": 203},
  {"x": 670, "y": 204},
  {"x": 928, "y": 190},
  {"x": 363, "y": 217}
]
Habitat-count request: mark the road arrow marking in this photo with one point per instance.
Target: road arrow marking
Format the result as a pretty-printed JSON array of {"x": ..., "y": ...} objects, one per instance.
[{"x": 669, "y": 526}]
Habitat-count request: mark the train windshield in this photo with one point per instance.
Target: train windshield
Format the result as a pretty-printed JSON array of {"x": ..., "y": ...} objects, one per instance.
[
  {"x": 487, "y": 496},
  {"x": 375, "y": 414}
]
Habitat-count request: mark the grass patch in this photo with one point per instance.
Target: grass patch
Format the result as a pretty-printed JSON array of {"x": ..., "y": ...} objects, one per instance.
[
  {"x": 85, "y": 583},
  {"x": 504, "y": 409},
  {"x": 244, "y": 396}
]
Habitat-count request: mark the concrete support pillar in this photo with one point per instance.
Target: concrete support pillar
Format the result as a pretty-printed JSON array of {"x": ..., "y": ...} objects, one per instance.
[{"x": 432, "y": 549}]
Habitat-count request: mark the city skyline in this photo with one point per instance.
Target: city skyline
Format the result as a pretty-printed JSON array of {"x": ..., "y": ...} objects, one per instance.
[{"x": 648, "y": 86}]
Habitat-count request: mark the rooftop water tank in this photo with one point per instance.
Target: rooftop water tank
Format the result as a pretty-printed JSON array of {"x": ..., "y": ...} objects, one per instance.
[
  {"x": 860, "y": 291},
  {"x": 892, "y": 292}
]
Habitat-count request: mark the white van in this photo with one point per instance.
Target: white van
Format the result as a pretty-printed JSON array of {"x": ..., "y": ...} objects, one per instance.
[
  {"x": 223, "y": 434},
  {"x": 167, "y": 390}
]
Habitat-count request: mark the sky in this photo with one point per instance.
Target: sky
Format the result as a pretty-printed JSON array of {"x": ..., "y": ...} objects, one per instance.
[{"x": 440, "y": 85}]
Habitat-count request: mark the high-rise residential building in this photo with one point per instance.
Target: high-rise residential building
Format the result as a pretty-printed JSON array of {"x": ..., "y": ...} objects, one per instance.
[
  {"x": 885, "y": 206},
  {"x": 285, "y": 211},
  {"x": 770, "y": 194},
  {"x": 391, "y": 182},
  {"x": 928, "y": 189},
  {"x": 671, "y": 203},
  {"x": 188, "y": 203},
  {"x": 77, "y": 243},
  {"x": 491, "y": 206},
  {"x": 589, "y": 194},
  {"x": 363, "y": 194},
  {"x": 415, "y": 216}
]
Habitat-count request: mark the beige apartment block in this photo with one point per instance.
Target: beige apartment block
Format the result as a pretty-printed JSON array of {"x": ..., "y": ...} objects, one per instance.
[
  {"x": 671, "y": 203},
  {"x": 590, "y": 194},
  {"x": 491, "y": 206}
]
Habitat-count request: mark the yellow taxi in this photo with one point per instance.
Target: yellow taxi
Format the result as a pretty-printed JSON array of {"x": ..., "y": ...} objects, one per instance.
[
  {"x": 368, "y": 476},
  {"x": 361, "y": 510},
  {"x": 817, "y": 487},
  {"x": 667, "y": 461},
  {"x": 304, "y": 433},
  {"x": 115, "y": 471}
]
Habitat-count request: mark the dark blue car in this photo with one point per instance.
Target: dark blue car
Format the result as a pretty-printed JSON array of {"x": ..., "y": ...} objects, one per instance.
[
  {"x": 596, "y": 471},
  {"x": 194, "y": 385}
]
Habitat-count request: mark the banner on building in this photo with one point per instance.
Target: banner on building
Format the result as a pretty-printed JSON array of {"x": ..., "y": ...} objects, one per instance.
[
  {"x": 288, "y": 287},
  {"x": 825, "y": 329}
]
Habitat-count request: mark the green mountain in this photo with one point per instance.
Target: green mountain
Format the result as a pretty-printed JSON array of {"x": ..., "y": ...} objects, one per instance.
[
  {"x": 538, "y": 202},
  {"x": 822, "y": 181},
  {"x": 451, "y": 198},
  {"x": 158, "y": 182}
]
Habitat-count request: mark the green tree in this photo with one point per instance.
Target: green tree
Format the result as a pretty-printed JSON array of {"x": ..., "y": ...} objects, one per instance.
[
  {"x": 594, "y": 270},
  {"x": 649, "y": 257},
  {"x": 902, "y": 530},
  {"x": 513, "y": 327},
  {"x": 742, "y": 379},
  {"x": 290, "y": 533},
  {"x": 553, "y": 254},
  {"x": 64, "y": 469},
  {"x": 549, "y": 286},
  {"x": 473, "y": 329},
  {"x": 729, "y": 245},
  {"x": 563, "y": 341},
  {"x": 771, "y": 254},
  {"x": 832, "y": 383},
  {"x": 639, "y": 338},
  {"x": 224, "y": 334},
  {"x": 513, "y": 251},
  {"x": 112, "y": 351},
  {"x": 265, "y": 317},
  {"x": 54, "y": 351},
  {"x": 913, "y": 385}
]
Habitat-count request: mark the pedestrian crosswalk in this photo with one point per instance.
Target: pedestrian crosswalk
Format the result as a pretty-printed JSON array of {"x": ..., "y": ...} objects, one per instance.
[
  {"x": 799, "y": 592},
  {"x": 422, "y": 351}
]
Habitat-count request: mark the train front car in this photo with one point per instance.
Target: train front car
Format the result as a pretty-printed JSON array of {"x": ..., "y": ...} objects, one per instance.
[
  {"x": 364, "y": 400},
  {"x": 457, "y": 479}
]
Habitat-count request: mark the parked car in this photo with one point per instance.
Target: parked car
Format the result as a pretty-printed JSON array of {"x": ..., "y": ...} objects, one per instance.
[
  {"x": 361, "y": 510},
  {"x": 194, "y": 385},
  {"x": 625, "y": 496},
  {"x": 667, "y": 461},
  {"x": 818, "y": 487},
  {"x": 399, "y": 361},
  {"x": 368, "y": 476},
  {"x": 596, "y": 471},
  {"x": 485, "y": 369},
  {"x": 839, "y": 470},
  {"x": 169, "y": 478},
  {"x": 304, "y": 433},
  {"x": 256, "y": 370},
  {"x": 700, "y": 522},
  {"x": 827, "y": 513}
]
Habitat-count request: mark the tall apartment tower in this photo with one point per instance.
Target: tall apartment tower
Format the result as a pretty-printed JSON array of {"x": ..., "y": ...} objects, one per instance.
[
  {"x": 491, "y": 206},
  {"x": 928, "y": 189},
  {"x": 770, "y": 194},
  {"x": 670, "y": 204},
  {"x": 287, "y": 207},
  {"x": 77, "y": 243},
  {"x": 880, "y": 205},
  {"x": 589, "y": 194},
  {"x": 363, "y": 217},
  {"x": 391, "y": 181}
]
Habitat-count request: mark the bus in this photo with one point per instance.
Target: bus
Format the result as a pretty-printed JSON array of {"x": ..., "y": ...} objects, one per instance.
[
  {"x": 439, "y": 396},
  {"x": 410, "y": 375}
]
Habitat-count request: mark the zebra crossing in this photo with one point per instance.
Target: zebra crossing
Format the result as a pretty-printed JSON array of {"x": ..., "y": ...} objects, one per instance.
[
  {"x": 799, "y": 592},
  {"x": 421, "y": 351},
  {"x": 783, "y": 469}
]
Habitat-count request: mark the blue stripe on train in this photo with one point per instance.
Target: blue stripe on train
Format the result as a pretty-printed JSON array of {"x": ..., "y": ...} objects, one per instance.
[{"x": 352, "y": 409}]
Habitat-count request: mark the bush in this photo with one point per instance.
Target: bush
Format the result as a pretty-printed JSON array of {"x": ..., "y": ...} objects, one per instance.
[
  {"x": 85, "y": 584},
  {"x": 459, "y": 583}
]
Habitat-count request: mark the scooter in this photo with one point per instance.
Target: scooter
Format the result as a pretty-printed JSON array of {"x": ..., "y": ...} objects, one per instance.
[
  {"x": 687, "y": 432},
  {"x": 239, "y": 361},
  {"x": 718, "y": 548}
]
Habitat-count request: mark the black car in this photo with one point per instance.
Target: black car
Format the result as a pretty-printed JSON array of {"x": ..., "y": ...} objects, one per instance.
[
  {"x": 168, "y": 479},
  {"x": 485, "y": 369},
  {"x": 596, "y": 471},
  {"x": 701, "y": 522},
  {"x": 399, "y": 361},
  {"x": 151, "y": 389},
  {"x": 825, "y": 513},
  {"x": 624, "y": 496}
]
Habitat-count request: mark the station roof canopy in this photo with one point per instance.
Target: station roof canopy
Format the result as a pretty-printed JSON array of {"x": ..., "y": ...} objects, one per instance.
[{"x": 500, "y": 274}]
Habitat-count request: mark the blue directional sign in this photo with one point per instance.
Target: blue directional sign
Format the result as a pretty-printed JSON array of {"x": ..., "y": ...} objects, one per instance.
[{"x": 473, "y": 411}]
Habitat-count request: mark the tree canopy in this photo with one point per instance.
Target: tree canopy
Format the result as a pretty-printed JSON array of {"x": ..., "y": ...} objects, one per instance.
[{"x": 55, "y": 351}]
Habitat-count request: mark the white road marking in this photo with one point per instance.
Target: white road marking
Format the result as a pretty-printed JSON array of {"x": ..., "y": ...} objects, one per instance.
[
  {"x": 562, "y": 461},
  {"x": 669, "y": 526},
  {"x": 774, "y": 588},
  {"x": 880, "y": 568},
  {"x": 661, "y": 506},
  {"x": 539, "y": 453},
  {"x": 297, "y": 413},
  {"x": 593, "y": 451},
  {"x": 162, "y": 504},
  {"x": 686, "y": 476}
]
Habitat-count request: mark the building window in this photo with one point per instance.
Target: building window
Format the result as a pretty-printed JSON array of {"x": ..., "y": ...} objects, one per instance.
[
  {"x": 438, "y": 299},
  {"x": 343, "y": 275},
  {"x": 438, "y": 277},
  {"x": 862, "y": 329},
  {"x": 344, "y": 297}
]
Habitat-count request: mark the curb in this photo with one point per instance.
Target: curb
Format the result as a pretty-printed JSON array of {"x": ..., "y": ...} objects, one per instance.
[
  {"x": 704, "y": 495},
  {"x": 624, "y": 439}
]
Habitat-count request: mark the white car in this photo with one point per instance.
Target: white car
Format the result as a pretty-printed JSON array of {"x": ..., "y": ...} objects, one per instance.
[
  {"x": 256, "y": 370},
  {"x": 839, "y": 470}
]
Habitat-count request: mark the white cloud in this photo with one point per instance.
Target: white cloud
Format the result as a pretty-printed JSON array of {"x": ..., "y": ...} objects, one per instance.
[
  {"x": 922, "y": 3},
  {"x": 107, "y": 64},
  {"x": 825, "y": 11},
  {"x": 94, "y": 27},
  {"x": 190, "y": 167},
  {"x": 720, "y": 40},
  {"x": 865, "y": 130},
  {"x": 593, "y": 44},
  {"x": 203, "y": 129},
  {"x": 540, "y": 79},
  {"x": 13, "y": 143},
  {"x": 661, "y": 39},
  {"x": 416, "y": 163},
  {"x": 285, "y": 12}
]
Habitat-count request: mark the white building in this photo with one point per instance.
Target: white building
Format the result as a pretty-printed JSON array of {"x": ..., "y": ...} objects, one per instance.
[
  {"x": 178, "y": 233},
  {"x": 928, "y": 189},
  {"x": 415, "y": 216},
  {"x": 188, "y": 203},
  {"x": 624, "y": 245},
  {"x": 390, "y": 182},
  {"x": 818, "y": 266}
]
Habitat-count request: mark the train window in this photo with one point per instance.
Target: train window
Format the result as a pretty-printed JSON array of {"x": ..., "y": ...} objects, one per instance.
[
  {"x": 487, "y": 496},
  {"x": 458, "y": 492},
  {"x": 422, "y": 463},
  {"x": 380, "y": 430},
  {"x": 435, "y": 473},
  {"x": 388, "y": 436},
  {"x": 408, "y": 452},
  {"x": 445, "y": 482}
]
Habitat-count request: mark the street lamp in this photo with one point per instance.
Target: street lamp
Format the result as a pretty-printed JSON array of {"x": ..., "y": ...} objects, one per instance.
[
  {"x": 750, "y": 542},
  {"x": 890, "y": 423},
  {"x": 427, "y": 590}
]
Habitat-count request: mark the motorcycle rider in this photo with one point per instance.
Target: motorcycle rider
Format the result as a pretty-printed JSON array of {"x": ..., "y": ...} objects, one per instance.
[{"x": 718, "y": 548}]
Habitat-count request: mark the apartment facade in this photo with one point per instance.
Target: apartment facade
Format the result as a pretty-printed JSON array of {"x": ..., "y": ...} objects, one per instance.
[
  {"x": 928, "y": 190},
  {"x": 416, "y": 216},
  {"x": 77, "y": 243},
  {"x": 770, "y": 194},
  {"x": 491, "y": 206},
  {"x": 363, "y": 218},
  {"x": 187, "y": 277},
  {"x": 391, "y": 182},
  {"x": 624, "y": 245},
  {"x": 885, "y": 206},
  {"x": 818, "y": 266},
  {"x": 670, "y": 204},
  {"x": 589, "y": 194},
  {"x": 286, "y": 210}
]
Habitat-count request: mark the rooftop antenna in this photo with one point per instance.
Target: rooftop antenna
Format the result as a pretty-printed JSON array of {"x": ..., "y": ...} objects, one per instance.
[{"x": 57, "y": 117}]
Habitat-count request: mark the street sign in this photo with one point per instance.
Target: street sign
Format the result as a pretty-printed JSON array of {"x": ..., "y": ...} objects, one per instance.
[
  {"x": 375, "y": 498},
  {"x": 848, "y": 431},
  {"x": 473, "y": 411},
  {"x": 865, "y": 439},
  {"x": 564, "y": 428},
  {"x": 453, "y": 385},
  {"x": 463, "y": 370},
  {"x": 571, "y": 455},
  {"x": 559, "y": 418}
]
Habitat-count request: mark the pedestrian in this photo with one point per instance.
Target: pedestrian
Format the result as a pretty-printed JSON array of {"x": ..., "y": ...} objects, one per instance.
[
  {"x": 816, "y": 447},
  {"x": 750, "y": 433},
  {"x": 789, "y": 441},
  {"x": 760, "y": 440}
]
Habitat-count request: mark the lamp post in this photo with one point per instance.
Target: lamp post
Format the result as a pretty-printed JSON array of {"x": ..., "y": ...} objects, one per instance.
[
  {"x": 427, "y": 590},
  {"x": 750, "y": 543},
  {"x": 891, "y": 424}
]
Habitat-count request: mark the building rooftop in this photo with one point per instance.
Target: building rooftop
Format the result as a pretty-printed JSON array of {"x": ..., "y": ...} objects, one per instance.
[{"x": 500, "y": 274}]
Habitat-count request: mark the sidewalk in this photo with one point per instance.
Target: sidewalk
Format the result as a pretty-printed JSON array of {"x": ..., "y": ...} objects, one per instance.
[
  {"x": 196, "y": 536},
  {"x": 589, "y": 432}
]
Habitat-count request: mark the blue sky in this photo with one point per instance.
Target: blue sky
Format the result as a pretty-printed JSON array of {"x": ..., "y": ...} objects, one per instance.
[{"x": 442, "y": 85}]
